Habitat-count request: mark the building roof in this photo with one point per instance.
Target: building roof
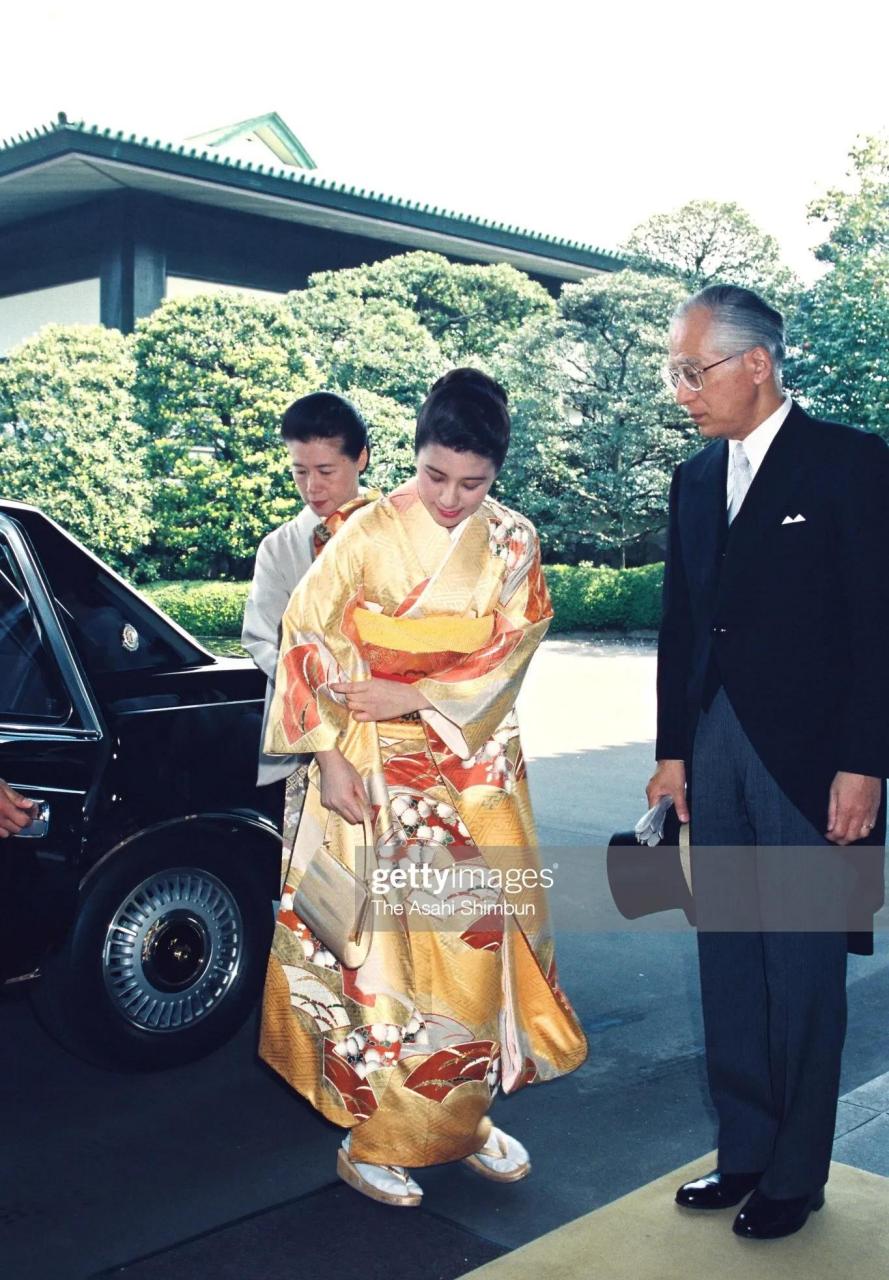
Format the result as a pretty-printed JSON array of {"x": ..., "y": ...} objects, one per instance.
[
  {"x": 66, "y": 163},
  {"x": 269, "y": 129}
]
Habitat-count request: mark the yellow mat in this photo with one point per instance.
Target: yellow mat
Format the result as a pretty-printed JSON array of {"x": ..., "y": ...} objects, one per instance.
[{"x": 645, "y": 1236}]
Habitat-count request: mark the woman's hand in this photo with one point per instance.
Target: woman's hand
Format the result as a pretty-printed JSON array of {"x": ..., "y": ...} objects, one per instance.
[
  {"x": 380, "y": 699},
  {"x": 342, "y": 787}
]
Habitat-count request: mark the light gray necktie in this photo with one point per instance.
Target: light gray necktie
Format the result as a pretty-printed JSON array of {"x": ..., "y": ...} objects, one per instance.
[{"x": 740, "y": 479}]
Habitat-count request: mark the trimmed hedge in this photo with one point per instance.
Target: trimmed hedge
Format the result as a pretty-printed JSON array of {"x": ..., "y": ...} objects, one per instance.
[
  {"x": 586, "y": 597},
  {"x": 203, "y": 608}
]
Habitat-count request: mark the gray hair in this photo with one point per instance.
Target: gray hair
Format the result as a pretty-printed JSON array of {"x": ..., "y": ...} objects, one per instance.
[{"x": 741, "y": 320}]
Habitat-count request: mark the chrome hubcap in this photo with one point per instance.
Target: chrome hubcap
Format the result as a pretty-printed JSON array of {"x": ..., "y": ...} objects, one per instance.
[{"x": 173, "y": 949}]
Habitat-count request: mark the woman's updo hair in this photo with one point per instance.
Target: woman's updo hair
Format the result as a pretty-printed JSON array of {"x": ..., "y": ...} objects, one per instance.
[{"x": 466, "y": 411}]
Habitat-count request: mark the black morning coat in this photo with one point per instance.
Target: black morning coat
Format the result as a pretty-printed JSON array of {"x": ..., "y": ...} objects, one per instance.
[{"x": 791, "y": 618}]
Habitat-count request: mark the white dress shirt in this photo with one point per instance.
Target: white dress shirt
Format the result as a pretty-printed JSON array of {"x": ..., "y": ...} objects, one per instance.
[{"x": 756, "y": 445}]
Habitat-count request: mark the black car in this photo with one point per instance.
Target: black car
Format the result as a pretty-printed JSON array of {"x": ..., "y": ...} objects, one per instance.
[{"x": 139, "y": 903}]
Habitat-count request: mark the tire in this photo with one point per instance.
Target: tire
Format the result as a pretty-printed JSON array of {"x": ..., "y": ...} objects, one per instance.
[{"x": 165, "y": 960}]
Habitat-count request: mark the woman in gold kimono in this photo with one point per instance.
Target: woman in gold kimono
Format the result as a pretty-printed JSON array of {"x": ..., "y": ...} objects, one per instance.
[{"x": 403, "y": 650}]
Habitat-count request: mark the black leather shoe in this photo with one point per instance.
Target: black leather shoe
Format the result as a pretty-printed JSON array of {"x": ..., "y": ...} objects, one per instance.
[
  {"x": 717, "y": 1190},
  {"x": 765, "y": 1219}
]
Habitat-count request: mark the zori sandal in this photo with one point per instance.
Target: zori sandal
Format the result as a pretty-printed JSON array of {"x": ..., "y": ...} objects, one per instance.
[
  {"x": 386, "y": 1183},
  {"x": 502, "y": 1159}
]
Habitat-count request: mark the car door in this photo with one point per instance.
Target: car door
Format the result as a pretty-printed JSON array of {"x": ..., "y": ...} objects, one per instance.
[{"x": 52, "y": 748}]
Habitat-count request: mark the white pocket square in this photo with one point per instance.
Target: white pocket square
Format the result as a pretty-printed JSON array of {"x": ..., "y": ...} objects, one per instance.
[{"x": 794, "y": 520}]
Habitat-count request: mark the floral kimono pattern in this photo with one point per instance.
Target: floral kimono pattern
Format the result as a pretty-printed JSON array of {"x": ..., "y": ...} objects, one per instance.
[{"x": 458, "y": 994}]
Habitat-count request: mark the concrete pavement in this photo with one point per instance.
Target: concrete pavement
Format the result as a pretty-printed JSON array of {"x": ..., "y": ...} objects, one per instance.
[{"x": 97, "y": 1169}]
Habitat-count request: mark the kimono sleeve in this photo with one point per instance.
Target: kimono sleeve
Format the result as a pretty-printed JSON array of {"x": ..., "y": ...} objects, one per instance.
[
  {"x": 316, "y": 650},
  {"x": 471, "y": 699}
]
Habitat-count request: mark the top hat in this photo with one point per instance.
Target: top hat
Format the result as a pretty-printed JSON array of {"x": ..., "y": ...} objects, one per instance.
[{"x": 645, "y": 879}]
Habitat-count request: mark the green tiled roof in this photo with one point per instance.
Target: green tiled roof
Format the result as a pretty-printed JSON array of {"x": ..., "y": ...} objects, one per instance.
[
  {"x": 268, "y": 124},
  {"x": 64, "y": 136}
]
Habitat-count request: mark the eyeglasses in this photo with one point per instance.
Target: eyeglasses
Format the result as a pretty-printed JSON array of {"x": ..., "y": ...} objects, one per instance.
[{"x": 691, "y": 375}]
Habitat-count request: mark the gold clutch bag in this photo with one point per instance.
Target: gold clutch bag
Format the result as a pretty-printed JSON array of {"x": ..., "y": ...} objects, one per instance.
[{"x": 335, "y": 903}]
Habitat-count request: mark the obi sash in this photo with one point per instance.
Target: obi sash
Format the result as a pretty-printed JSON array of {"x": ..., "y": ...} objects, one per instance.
[{"x": 410, "y": 649}]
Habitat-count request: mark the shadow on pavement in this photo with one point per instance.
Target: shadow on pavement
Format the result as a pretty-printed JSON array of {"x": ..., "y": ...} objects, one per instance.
[{"x": 99, "y": 1169}]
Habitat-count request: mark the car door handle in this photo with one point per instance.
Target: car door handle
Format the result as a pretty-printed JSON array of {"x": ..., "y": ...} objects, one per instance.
[{"x": 39, "y": 824}]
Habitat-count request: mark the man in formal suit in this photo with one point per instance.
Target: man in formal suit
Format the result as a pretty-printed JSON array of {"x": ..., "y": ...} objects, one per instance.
[
  {"x": 327, "y": 445},
  {"x": 773, "y": 731}
]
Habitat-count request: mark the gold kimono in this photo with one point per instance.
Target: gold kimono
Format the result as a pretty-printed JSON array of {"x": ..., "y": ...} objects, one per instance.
[{"x": 459, "y": 992}]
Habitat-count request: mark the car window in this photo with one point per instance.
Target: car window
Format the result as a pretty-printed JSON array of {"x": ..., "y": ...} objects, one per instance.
[
  {"x": 30, "y": 686},
  {"x": 113, "y": 630}
]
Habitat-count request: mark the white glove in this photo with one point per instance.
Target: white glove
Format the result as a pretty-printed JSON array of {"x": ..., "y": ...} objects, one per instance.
[{"x": 650, "y": 827}]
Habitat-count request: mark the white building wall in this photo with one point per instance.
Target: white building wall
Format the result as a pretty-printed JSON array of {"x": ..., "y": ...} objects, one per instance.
[
  {"x": 187, "y": 287},
  {"x": 22, "y": 314}
]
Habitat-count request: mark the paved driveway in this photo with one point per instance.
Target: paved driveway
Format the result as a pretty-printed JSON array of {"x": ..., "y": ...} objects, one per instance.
[
  {"x": 587, "y": 713},
  {"x": 101, "y": 1169}
]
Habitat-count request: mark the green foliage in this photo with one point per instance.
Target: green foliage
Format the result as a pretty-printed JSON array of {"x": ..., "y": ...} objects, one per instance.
[
  {"x": 171, "y": 439},
  {"x": 68, "y": 442},
  {"x": 840, "y": 333},
  {"x": 375, "y": 346},
  {"x": 391, "y": 431},
  {"x": 600, "y": 433},
  {"x": 631, "y": 433},
  {"x": 587, "y": 597},
  {"x": 215, "y": 373},
  {"x": 839, "y": 363},
  {"x": 540, "y": 475},
  {"x": 857, "y": 218},
  {"x": 706, "y": 242},
  {"x": 203, "y": 608},
  {"x": 468, "y": 310}
]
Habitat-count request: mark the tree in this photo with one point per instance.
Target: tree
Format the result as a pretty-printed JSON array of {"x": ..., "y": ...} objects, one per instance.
[
  {"x": 215, "y": 373},
  {"x": 391, "y": 431},
  {"x": 540, "y": 475},
  {"x": 375, "y": 346},
  {"x": 705, "y": 242},
  {"x": 857, "y": 219},
  {"x": 606, "y": 432},
  {"x": 68, "y": 439},
  {"x": 840, "y": 333},
  {"x": 841, "y": 336},
  {"x": 469, "y": 310},
  {"x": 633, "y": 436}
]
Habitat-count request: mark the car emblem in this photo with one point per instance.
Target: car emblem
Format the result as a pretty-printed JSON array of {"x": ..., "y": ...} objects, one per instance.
[{"x": 129, "y": 638}]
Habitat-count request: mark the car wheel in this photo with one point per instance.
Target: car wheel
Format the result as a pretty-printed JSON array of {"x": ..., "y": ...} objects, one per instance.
[{"x": 165, "y": 959}]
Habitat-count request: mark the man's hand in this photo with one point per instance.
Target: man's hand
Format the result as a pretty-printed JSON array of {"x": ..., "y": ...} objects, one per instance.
[
  {"x": 668, "y": 779},
  {"x": 380, "y": 699},
  {"x": 342, "y": 787},
  {"x": 852, "y": 810},
  {"x": 15, "y": 811}
]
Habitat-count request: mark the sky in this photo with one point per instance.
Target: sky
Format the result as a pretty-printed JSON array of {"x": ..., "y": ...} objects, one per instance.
[{"x": 558, "y": 117}]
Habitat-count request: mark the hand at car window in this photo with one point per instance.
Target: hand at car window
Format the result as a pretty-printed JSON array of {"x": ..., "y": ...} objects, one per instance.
[{"x": 15, "y": 811}]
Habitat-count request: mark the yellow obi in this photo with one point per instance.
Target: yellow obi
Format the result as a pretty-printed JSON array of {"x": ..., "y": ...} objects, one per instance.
[
  {"x": 434, "y": 634},
  {"x": 411, "y": 648}
]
